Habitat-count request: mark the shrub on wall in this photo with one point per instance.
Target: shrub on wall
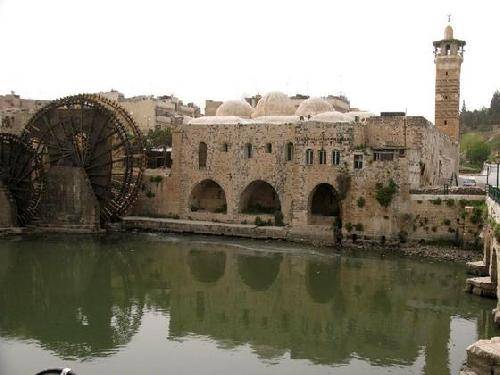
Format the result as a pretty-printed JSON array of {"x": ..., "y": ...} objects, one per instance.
[
  {"x": 348, "y": 227},
  {"x": 359, "y": 227},
  {"x": 385, "y": 194},
  {"x": 446, "y": 222},
  {"x": 156, "y": 179},
  {"x": 450, "y": 202},
  {"x": 361, "y": 202},
  {"x": 436, "y": 201}
]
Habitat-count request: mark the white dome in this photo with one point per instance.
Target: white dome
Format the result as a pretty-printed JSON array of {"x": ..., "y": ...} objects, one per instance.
[
  {"x": 332, "y": 116},
  {"x": 448, "y": 32},
  {"x": 218, "y": 120},
  {"x": 274, "y": 104},
  {"x": 238, "y": 108},
  {"x": 313, "y": 106}
]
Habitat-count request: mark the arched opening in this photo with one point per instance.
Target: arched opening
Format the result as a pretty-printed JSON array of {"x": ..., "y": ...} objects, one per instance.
[
  {"x": 259, "y": 272},
  {"x": 202, "y": 155},
  {"x": 208, "y": 196},
  {"x": 324, "y": 204},
  {"x": 259, "y": 198},
  {"x": 493, "y": 267},
  {"x": 207, "y": 266}
]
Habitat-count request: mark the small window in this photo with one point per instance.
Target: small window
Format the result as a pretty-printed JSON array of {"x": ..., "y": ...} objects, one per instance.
[
  {"x": 202, "y": 155},
  {"x": 322, "y": 156},
  {"x": 269, "y": 148},
  {"x": 446, "y": 97},
  {"x": 358, "y": 161},
  {"x": 309, "y": 157},
  {"x": 446, "y": 73},
  {"x": 335, "y": 157},
  {"x": 445, "y": 122},
  {"x": 383, "y": 156},
  {"x": 248, "y": 150},
  {"x": 289, "y": 151},
  {"x": 402, "y": 153},
  {"x": 225, "y": 147}
]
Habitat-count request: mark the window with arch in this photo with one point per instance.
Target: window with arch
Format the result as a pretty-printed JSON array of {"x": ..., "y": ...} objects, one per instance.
[
  {"x": 289, "y": 151},
  {"x": 202, "y": 155},
  {"x": 322, "y": 156},
  {"x": 248, "y": 150},
  {"x": 335, "y": 157},
  {"x": 309, "y": 156}
]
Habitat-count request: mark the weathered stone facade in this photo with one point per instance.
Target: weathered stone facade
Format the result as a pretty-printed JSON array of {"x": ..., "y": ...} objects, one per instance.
[{"x": 247, "y": 162}]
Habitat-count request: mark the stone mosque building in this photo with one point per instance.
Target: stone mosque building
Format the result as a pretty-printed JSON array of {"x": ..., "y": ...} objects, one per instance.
[{"x": 312, "y": 168}]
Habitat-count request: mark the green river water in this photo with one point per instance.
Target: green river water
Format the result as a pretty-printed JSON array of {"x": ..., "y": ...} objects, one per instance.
[{"x": 158, "y": 304}]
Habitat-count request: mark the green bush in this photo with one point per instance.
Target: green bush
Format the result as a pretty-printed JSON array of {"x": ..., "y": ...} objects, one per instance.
[
  {"x": 361, "y": 202},
  {"x": 446, "y": 222},
  {"x": 156, "y": 179},
  {"x": 359, "y": 227},
  {"x": 348, "y": 227},
  {"x": 385, "y": 194},
  {"x": 150, "y": 194},
  {"x": 436, "y": 201},
  {"x": 450, "y": 202},
  {"x": 259, "y": 222}
]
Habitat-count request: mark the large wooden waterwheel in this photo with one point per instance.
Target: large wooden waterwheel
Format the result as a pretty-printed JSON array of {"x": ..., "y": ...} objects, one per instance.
[
  {"x": 21, "y": 174},
  {"x": 97, "y": 135}
]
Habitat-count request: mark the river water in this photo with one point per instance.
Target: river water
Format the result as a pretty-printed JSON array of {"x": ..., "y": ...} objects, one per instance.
[{"x": 157, "y": 304}]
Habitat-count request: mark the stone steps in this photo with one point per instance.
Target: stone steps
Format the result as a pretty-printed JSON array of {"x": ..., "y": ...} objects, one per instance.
[
  {"x": 481, "y": 286},
  {"x": 478, "y": 268}
]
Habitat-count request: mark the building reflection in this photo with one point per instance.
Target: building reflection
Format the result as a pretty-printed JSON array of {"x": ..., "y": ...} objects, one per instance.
[{"x": 86, "y": 298}]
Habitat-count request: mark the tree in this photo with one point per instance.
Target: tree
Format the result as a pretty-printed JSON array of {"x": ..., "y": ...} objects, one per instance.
[
  {"x": 158, "y": 138},
  {"x": 495, "y": 108},
  {"x": 478, "y": 152}
]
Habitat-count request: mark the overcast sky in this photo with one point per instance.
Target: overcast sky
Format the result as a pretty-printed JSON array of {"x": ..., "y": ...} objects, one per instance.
[{"x": 378, "y": 53}]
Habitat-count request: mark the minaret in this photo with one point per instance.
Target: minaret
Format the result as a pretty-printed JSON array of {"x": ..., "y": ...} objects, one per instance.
[{"x": 448, "y": 55}]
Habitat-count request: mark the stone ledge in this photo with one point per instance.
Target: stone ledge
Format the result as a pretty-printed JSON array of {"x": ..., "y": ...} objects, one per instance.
[
  {"x": 483, "y": 358},
  {"x": 477, "y": 268},
  {"x": 481, "y": 286}
]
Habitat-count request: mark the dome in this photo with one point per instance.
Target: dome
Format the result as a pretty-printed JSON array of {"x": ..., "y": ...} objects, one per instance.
[
  {"x": 313, "y": 106},
  {"x": 332, "y": 116},
  {"x": 448, "y": 32},
  {"x": 274, "y": 104},
  {"x": 237, "y": 108}
]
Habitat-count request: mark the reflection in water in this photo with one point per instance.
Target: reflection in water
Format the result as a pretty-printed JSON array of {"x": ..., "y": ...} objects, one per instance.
[{"x": 86, "y": 298}]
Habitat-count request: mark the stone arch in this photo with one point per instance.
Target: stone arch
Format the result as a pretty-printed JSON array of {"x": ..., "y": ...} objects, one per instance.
[
  {"x": 259, "y": 272},
  {"x": 324, "y": 204},
  {"x": 259, "y": 197},
  {"x": 207, "y": 266},
  {"x": 208, "y": 196}
]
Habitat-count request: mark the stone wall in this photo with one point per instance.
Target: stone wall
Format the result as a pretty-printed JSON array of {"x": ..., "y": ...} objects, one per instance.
[
  {"x": 439, "y": 216},
  {"x": 268, "y": 178},
  {"x": 68, "y": 201}
]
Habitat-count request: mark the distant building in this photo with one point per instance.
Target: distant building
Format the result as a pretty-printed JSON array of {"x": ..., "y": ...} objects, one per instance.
[
  {"x": 152, "y": 112},
  {"x": 15, "y": 111}
]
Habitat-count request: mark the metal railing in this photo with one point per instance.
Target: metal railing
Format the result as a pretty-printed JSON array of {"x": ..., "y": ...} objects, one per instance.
[{"x": 494, "y": 193}]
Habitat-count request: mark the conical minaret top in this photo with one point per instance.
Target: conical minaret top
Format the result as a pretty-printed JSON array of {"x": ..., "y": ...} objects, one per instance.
[{"x": 448, "y": 57}]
